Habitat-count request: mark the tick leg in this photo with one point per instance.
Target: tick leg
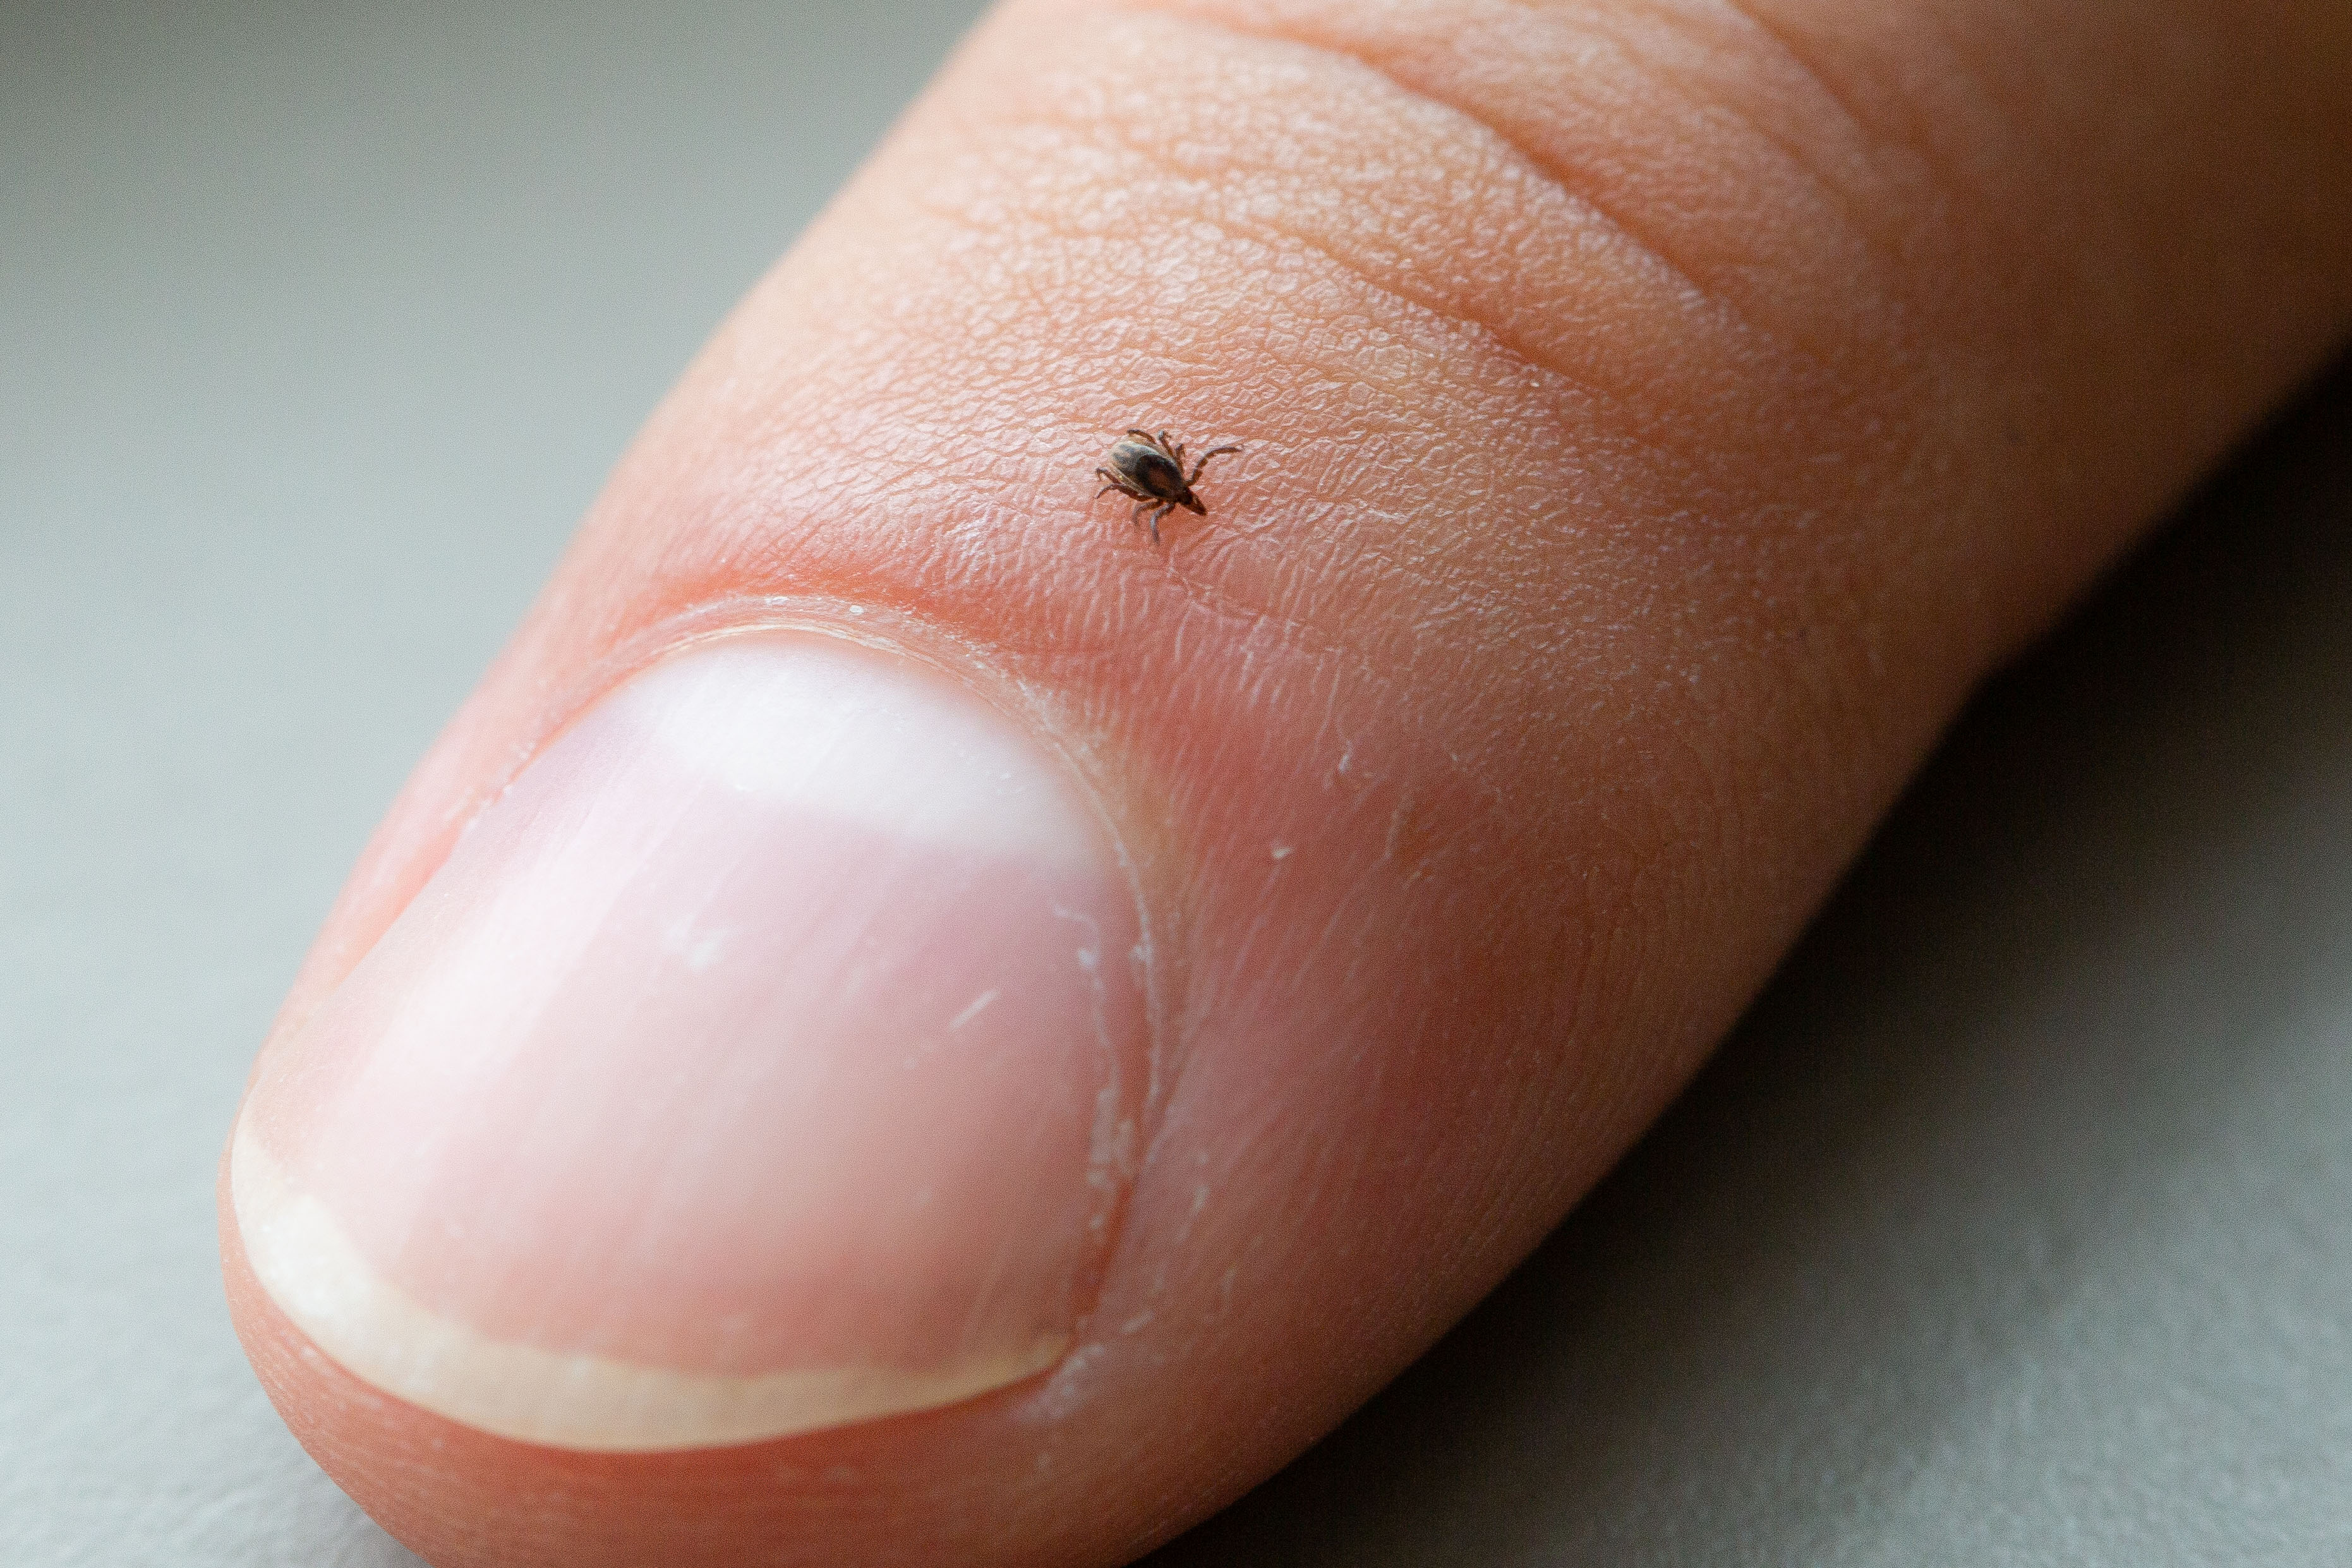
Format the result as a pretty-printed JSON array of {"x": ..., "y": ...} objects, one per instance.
[
  {"x": 1158, "y": 509},
  {"x": 1213, "y": 452}
]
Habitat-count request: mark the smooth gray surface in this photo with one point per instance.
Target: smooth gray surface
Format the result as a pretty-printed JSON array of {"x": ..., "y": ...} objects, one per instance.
[{"x": 2016, "y": 1226}]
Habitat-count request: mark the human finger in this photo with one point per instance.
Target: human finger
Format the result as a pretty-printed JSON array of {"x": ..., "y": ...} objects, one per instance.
[{"x": 905, "y": 1023}]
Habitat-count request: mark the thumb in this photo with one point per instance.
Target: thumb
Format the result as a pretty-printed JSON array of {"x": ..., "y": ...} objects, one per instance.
[{"x": 907, "y": 1022}]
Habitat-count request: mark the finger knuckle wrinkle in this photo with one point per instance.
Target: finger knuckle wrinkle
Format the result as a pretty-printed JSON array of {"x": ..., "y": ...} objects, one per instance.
[{"x": 1685, "y": 165}]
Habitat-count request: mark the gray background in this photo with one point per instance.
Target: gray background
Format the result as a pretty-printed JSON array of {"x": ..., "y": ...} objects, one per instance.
[{"x": 2014, "y": 1226}]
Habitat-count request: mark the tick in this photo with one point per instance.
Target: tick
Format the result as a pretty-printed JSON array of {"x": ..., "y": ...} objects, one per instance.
[{"x": 1149, "y": 470}]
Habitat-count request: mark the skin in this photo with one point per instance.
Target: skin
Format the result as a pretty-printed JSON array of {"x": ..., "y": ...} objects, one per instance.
[{"x": 1660, "y": 416}]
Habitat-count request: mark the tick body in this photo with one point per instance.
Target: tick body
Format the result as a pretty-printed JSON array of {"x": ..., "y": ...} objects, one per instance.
[{"x": 1149, "y": 470}]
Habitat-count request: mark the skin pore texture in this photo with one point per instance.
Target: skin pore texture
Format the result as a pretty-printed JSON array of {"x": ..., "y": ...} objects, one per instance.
[{"x": 687, "y": 1141}]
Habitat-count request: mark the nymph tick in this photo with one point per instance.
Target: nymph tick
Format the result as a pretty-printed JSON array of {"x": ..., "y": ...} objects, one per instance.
[{"x": 1150, "y": 470}]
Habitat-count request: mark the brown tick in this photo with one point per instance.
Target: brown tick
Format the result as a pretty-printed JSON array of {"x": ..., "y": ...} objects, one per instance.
[{"x": 1150, "y": 470}]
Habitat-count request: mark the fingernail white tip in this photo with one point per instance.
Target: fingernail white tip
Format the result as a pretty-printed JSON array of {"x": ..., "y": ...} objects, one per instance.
[{"x": 384, "y": 1337}]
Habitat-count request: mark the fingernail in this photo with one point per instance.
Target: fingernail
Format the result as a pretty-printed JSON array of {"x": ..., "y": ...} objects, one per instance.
[{"x": 764, "y": 1059}]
